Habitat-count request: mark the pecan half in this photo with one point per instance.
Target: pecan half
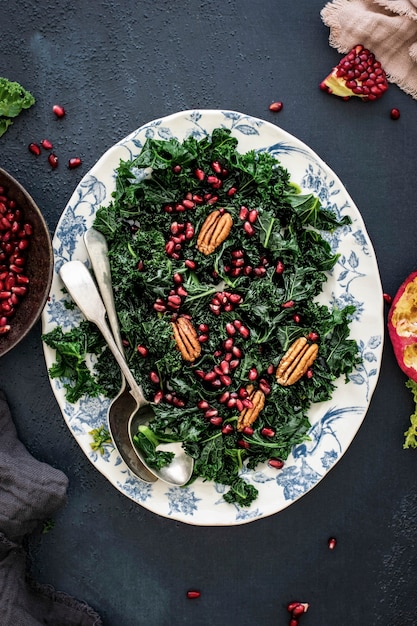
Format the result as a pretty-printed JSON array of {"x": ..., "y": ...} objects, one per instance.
[
  {"x": 214, "y": 231},
  {"x": 186, "y": 339},
  {"x": 249, "y": 414},
  {"x": 296, "y": 361}
]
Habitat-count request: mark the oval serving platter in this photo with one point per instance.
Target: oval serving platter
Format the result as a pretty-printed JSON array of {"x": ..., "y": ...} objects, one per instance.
[{"x": 354, "y": 280}]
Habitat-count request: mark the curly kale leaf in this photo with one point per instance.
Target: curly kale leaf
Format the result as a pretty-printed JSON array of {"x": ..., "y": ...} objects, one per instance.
[
  {"x": 241, "y": 493},
  {"x": 72, "y": 348},
  {"x": 13, "y": 99}
]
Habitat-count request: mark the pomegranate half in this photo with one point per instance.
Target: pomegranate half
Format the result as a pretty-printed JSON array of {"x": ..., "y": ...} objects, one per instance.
[{"x": 402, "y": 326}]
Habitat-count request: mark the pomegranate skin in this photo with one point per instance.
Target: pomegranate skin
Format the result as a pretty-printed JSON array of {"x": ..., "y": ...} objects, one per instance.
[{"x": 402, "y": 326}]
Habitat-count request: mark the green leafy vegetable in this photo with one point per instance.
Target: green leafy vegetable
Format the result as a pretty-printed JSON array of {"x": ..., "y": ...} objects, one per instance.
[
  {"x": 411, "y": 434},
  {"x": 101, "y": 436},
  {"x": 13, "y": 99},
  {"x": 276, "y": 306}
]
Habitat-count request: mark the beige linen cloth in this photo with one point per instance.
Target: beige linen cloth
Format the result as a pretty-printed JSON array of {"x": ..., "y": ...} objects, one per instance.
[{"x": 388, "y": 28}]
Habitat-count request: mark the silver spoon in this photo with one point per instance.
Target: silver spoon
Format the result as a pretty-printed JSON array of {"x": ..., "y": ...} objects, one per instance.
[
  {"x": 83, "y": 290},
  {"x": 123, "y": 404}
]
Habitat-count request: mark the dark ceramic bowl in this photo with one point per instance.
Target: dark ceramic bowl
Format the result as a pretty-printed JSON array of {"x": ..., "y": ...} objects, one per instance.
[{"x": 38, "y": 268}]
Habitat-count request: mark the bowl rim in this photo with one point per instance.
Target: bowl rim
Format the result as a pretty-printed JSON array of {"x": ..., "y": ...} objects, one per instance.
[{"x": 42, "y": 222}]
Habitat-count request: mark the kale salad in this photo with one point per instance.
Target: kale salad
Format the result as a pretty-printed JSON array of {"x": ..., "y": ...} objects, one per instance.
[{"x": 217, "y": 262}]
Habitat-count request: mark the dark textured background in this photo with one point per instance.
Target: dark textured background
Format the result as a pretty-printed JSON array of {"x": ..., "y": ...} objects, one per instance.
[{"x": 114, "y": 66}]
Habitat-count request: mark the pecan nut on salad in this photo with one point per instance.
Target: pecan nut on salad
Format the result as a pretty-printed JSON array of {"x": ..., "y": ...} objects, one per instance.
[{"x": 216, "y": 260}]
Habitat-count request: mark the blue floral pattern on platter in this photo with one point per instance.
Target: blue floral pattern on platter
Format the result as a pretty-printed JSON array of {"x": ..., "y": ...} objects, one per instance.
[{"x": 354, "y": 280}]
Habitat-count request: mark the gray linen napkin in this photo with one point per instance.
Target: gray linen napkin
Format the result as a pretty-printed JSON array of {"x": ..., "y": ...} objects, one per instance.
[{"x": 30, "y": 492}]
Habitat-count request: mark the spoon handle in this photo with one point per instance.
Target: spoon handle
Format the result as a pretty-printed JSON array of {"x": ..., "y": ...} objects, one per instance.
[
  {"x": 82, "y": 288},
  {"x": 97, "y": 249}
]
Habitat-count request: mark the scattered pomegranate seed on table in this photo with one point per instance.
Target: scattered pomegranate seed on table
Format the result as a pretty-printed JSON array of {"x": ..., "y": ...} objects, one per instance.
[
  {"x": 193, "y": 593},
  {"x": 296, "y": 609},
  {"x": 387, "y": 298},
  {"x": 34, "y": 149},
  {"x": 276, "y": 106},
  {"x": 58, "y": 110},
  {"x": 331, "y": 543},
  {"x": 53, "y": 160},
  {"x": 46, "y": 144},
  {"x": 395, "y": 114},
  {"x": 74, "y": 162}
]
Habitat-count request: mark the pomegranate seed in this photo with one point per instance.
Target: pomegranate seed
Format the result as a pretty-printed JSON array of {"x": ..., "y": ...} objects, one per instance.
[
  {"x": 235, "y": 298},
  {"x": 293, "y": 622},
  {"x": 199, "y": 174},
  {"x": 142, "y": 350},
  {"x": 182, "y": 292},
  {"x": 153, "y": 377},
  {"x": 252, "y": 217},
  {"x": 265, "y": 387},
  {"x": 299, "y": 609},
  {"x": 267, "y": 432},
  {"x": 177, "y": 169},
  {"x": 209, "y": 413},
  {"x": 227, "y": 429},
  {"x": 243, "y": 444},
  {"x": 276, "y": 106},
  {"x": 224, "y": 367},
  {"x": 276, "y": 463},
  {"x": 249, "y": 229},
  {"x": 244, "y": 331},
  {"x": 203, "y": 405},
  {"x": 190, "y": 264},
  {"x": 189, "y": 204},
  {"x": 228, "y": 344},
  {"x": 53, "y": 160},
  {"x": 248, "y": 430},
  {"x": 159, "y": 307},
  {"x": 216, "y": 421},
  {"x": 158, "y": 396},
  {"x": 313, "y": 336},
  {"x": 224, "y": 397},
  {"x": 192, "y": 594},
  {"x": 230, "y": 329},
  {"x": 58, "y": 110},
  {"x": 387, "y": 298},
  {"x": 203, "y": 338},
  {"x": 169, "y": 247},
  {"x": 74, "y": 162},
  {"x": 243, "y": 213},
  {"x": 253, "y": 374},
  {"x": 331, "y": 543},
  {"x": 34, "y": 149},
  {"x": 210, "y": 377},
  {"x": 231, "y": 191},
  {"x": 45, "y": 143},
  {"x": 395, "y": 114},
  {"x": 288, "y": 304}
]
